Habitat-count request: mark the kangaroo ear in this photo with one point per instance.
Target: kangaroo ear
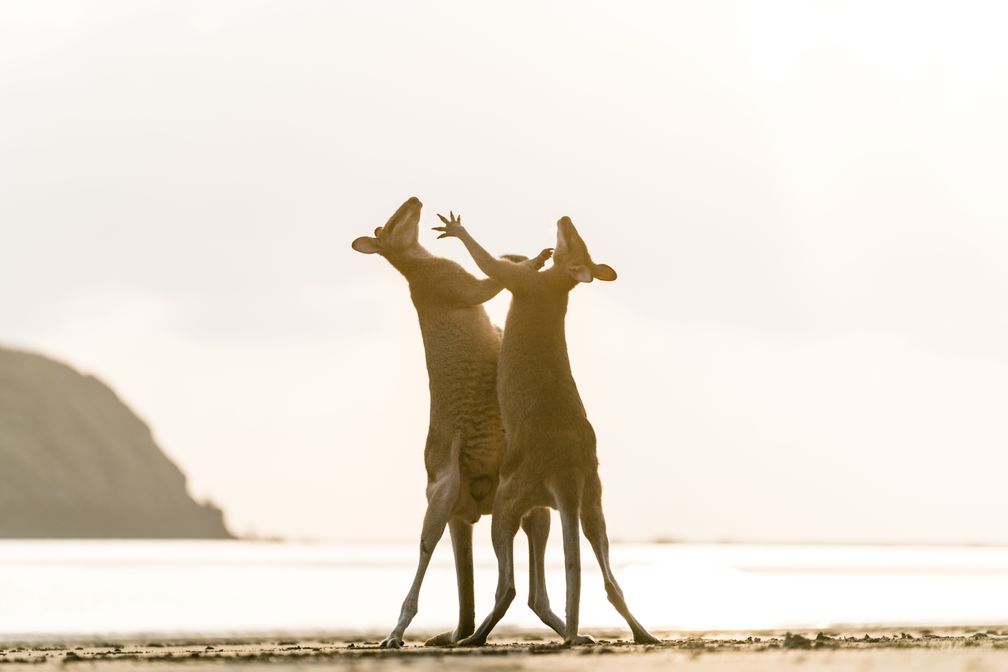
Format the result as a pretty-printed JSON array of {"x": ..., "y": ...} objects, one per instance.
[
  {"x": 580, "y": 273},
  {"x": 366, "y": 245},
  {"x": 603, "y": 272}
]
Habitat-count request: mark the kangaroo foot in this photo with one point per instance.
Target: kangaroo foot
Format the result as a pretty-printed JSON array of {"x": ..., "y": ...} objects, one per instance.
[
  {"x": 472, "y": 640},
  {"x": 444, "y": 639}
]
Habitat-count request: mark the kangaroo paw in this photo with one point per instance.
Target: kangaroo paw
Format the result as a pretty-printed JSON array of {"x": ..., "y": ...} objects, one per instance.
[
  {"x": 474, "y": 640},
  {"x": 645, "y": 638},
  {"x": 444, "y": 639}
]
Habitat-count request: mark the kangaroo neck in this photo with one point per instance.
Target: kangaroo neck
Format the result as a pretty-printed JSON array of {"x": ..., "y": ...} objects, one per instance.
[
  {"x": 405, "y": 261},
  {"x": 534, "y": 334}
]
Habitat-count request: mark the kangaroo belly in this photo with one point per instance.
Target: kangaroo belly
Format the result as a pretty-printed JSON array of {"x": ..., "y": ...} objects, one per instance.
[
  {"x": 541, "y": 396},
  {"x": 475, "y": 460},
  {"x": 462, "y": 350}
]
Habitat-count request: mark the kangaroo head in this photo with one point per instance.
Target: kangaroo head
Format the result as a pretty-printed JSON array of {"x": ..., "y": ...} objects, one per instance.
[
  {"x": 398, "y": 237},
  {"x": 571, "y": 256}
]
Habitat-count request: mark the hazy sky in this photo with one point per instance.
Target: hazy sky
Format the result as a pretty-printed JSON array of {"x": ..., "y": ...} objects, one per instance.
[{"x": 805, "y": 202}]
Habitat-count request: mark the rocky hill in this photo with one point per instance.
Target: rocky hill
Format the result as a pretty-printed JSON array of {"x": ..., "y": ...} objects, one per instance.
[{"x": 76, "y": 462}]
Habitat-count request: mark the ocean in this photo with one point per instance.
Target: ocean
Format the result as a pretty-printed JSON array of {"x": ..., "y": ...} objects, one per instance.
[{"x": 179, "y": 588}]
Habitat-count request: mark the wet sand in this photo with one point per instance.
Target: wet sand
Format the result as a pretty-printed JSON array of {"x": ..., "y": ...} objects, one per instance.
[{"x": 951, "y": 649}]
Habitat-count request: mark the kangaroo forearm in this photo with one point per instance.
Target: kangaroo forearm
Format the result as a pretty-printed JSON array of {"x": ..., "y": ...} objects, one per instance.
[
  {"x": 483, "y": 291},
  {"x": 489, "y": 264}
]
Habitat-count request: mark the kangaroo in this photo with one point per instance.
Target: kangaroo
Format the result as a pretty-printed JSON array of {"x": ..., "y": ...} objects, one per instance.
[
  {"x": 550, "y": 459},
  {"x": 465, "y": 441}
]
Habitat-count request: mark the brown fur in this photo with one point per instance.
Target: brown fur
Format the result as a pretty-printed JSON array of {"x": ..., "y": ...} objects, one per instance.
[
  {"x": 550, "y": 460},
  {"x": 465, "y": 440}
]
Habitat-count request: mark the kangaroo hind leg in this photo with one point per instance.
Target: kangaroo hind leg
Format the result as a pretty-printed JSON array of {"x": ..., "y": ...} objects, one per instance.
[
  {"x": 537, "y": 526},
  {"x": 461, "y": 536},
  {"x": 507, "y": 515},
  {"x": 568, "y": 503},
  {"x": 595, "y": 530},
  {"x": 442, "y": 494}
]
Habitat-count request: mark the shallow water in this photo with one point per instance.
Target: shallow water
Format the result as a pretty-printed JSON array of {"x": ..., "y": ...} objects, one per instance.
[{"x": 231, "y": 587}]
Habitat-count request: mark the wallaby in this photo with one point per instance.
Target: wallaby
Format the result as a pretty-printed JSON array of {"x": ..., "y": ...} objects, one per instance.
[
  {"x": 465, "y": 440},
  {"x": 550, "y": 459}
]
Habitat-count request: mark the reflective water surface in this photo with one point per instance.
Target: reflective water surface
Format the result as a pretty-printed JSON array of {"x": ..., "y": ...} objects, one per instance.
[{"x": 238, "y": 587}]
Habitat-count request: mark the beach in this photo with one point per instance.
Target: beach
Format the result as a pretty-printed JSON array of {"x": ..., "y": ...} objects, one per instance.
[
  {"x": 951, "y": 649},
  {"x": 123, "y": 605}
]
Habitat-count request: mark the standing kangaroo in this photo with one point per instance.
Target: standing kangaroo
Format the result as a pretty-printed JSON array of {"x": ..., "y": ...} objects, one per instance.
[
  {"x": 465, "y": 441},
  {"x": 550, "y": 458}
]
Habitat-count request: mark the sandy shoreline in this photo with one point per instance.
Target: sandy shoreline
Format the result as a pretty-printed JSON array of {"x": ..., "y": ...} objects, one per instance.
[{"x": 958, "y": 648}]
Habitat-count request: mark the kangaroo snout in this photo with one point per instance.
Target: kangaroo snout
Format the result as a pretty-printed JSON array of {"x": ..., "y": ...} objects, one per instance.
[{"x": 410, "y": 206}]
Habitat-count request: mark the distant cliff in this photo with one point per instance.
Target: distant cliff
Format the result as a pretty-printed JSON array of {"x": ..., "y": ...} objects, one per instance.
[{"x": 76, "y": 462}]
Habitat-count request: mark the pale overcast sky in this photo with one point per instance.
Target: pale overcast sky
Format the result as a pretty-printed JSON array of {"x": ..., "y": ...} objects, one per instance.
[{"x": 805, "y": 202}]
